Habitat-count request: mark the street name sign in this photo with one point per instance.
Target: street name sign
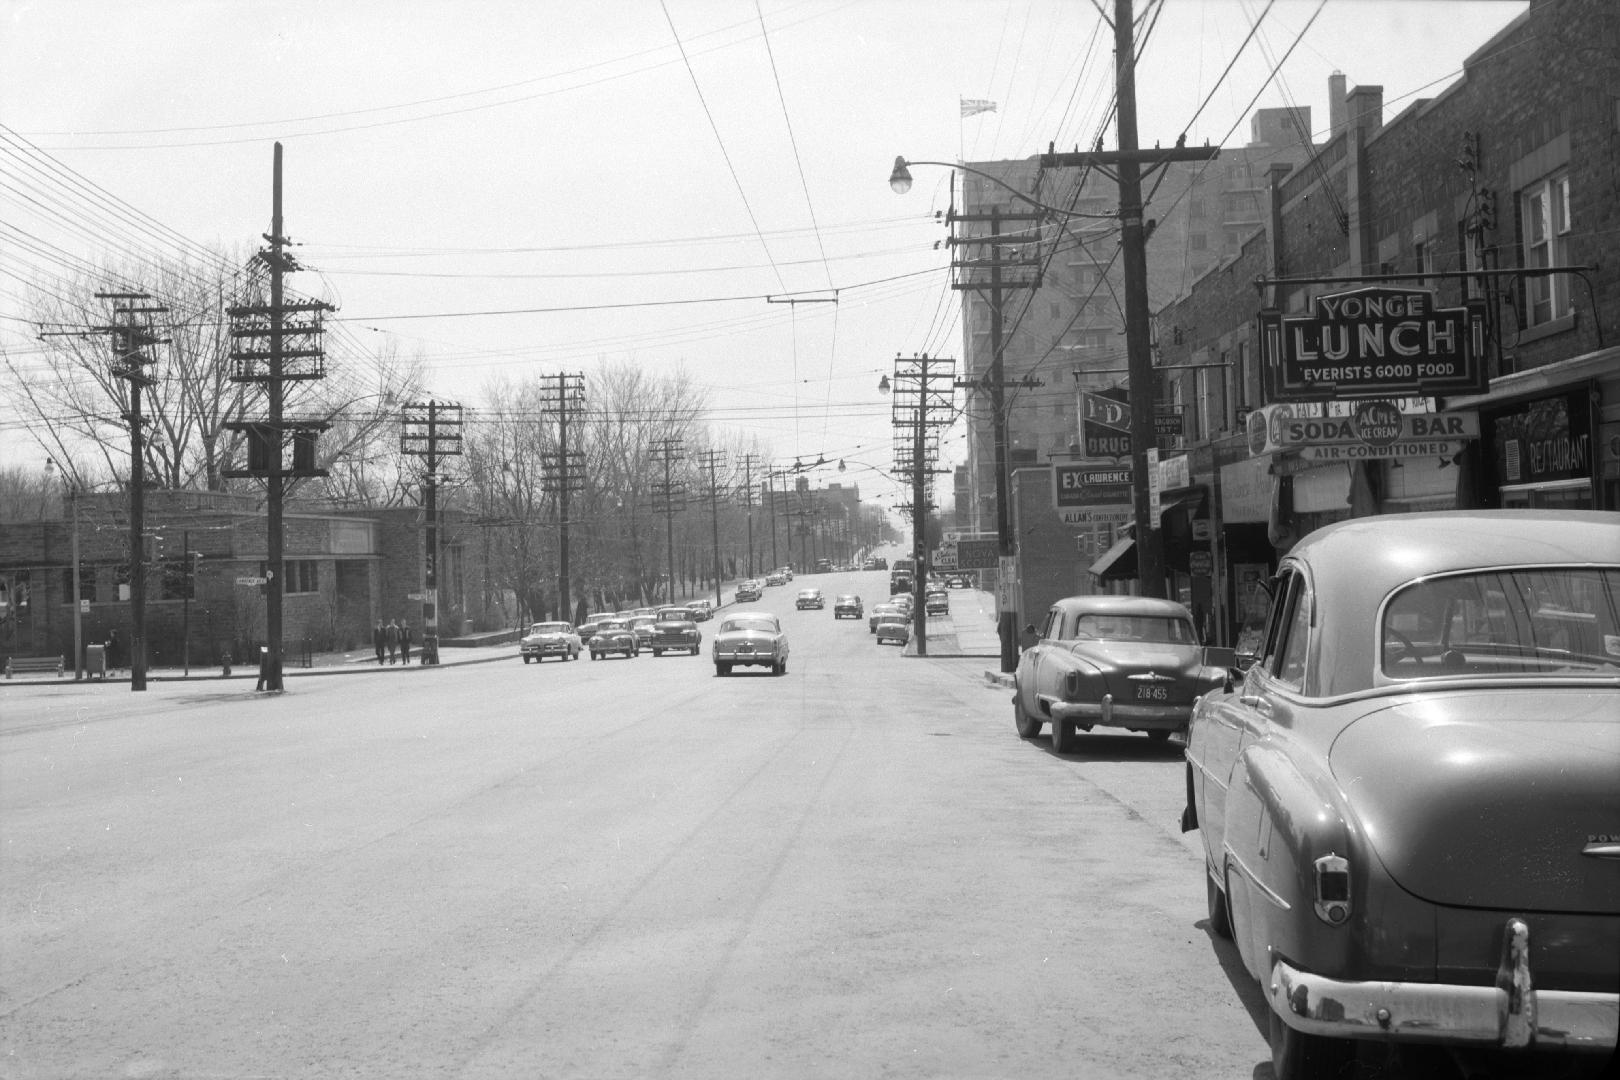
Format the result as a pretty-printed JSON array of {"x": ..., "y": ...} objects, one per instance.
[{"x": 252, "y": 581}]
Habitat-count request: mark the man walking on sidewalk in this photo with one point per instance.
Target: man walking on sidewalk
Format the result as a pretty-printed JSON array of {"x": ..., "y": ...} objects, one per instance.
[
  {"x": 379, "y": 640},
  {"x": 405, "y": 641},
  {"x": 392, "y": 634}
]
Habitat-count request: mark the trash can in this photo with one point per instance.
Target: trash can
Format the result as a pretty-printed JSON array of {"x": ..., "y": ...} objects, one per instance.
[{"x": 95, "y": 661}]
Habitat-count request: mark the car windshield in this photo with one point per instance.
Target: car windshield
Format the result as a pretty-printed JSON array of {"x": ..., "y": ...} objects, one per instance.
[
  {"x": 1504, "y": 623},
  {"x": 761, "y": 623},
  {"x": 550, "y": 628},
  {"x": 611, "y": 624},
  {"x": 1160, "y": 629}
]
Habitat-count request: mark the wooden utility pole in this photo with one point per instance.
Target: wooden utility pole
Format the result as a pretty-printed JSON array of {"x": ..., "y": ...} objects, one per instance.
[
  {"x": 711, "y": 461},
  {"x": 431, "y": 431},
  {"x": 924, "y": 396},
  {"x": 669, "y": 498},
  {"x": 1128, "y": 161},
  {"x": 563, "y": 475}
]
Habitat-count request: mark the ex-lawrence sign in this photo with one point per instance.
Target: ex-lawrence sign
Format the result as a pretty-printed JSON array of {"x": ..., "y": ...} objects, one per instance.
[{"x": 1374, "y": 343}]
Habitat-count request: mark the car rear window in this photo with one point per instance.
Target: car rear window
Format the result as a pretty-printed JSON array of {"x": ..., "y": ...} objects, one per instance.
[
  {"x": 1528, "y": 623},
  {"x": 550, "y": 628},
  {"x": 767, "y": 625},
  {"x": 1161, "y": 629}
]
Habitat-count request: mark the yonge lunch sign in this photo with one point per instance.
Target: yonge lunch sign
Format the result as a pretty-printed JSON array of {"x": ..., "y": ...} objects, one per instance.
[{"x": 1376, "y": 342}]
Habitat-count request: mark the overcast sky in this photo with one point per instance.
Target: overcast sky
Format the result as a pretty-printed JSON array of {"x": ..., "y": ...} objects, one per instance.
[{"x": 515, "y": 188}]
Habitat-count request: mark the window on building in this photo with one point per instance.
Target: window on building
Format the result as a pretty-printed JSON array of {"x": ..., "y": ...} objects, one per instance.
[
  {"x": 1195, "y": 210},
  {"x": 1248, "y": 392},
  {"x": 1057, "y": 311},
  {"x": 177, "y": 583},
  {"x": 1198, "y": 242},
  {"x": 1545, "y": 211},
  {"x": 302, "y": 576},
  {"x": 1423, "y": 255},
  {"x": 87, "y": 583}
]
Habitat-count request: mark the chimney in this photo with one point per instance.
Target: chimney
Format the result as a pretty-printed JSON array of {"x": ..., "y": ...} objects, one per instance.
[
  {"x": 1365, "y": 108},
  {"x": 1336, "y": 90}
]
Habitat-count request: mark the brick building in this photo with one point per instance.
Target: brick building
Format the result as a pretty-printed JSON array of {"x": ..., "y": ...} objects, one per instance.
[
  {"x": 1512, "y": 167},
  {"x": 345, "y": 570}
]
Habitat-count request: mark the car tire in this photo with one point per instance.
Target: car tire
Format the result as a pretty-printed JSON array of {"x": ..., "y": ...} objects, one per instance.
[
  {"x": 1220, "y": 918},
  {"x": 526, "y": 659},
  {"x": 658, "y": 652},
  {"x": 721, "y": 668},
  {"x": 1026, "y": 725},
  {"x": 1298, "y": 1056},
  {"x": 1063, "y": 736},
  {"x": 1158, "y": 736}
]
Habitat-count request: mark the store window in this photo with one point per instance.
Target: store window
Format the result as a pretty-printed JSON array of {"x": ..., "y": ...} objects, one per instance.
[{"x": 1544, "y": 212}]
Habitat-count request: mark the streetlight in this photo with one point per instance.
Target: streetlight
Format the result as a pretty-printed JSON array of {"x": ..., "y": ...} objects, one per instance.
[{"x": 72, "y": 490}]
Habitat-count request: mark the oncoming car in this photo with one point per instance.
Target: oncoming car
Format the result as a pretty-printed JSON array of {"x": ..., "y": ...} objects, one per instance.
[
  {"x": 750, "y": 638},
  {"x": 748, "y": 592},
  {"x": 614, "y": 636},
  {"x": 847, "y": 607},
  {"x": 810, "y": 598},
  {"x": 1409, "y": 803},
  {"x": 675, "y": 629},
  {"x": 549, "y": 639}
]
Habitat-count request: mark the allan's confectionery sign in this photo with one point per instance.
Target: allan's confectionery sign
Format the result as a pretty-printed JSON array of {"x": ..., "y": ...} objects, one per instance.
[{"x": 1376, "y": 342}]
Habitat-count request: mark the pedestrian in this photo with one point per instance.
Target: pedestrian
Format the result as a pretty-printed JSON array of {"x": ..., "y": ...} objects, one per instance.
[
  {"x": 379, "y": 641},
  {"x": 405, "y": 641},
  {"x": 391, "y": 632},
  {"x": 112, "y": 650}
]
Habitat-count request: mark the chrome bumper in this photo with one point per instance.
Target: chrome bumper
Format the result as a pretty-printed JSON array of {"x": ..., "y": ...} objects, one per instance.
[
  {"x": 1513, "y": 1014},
  {"x": 1108, "y": 714}
]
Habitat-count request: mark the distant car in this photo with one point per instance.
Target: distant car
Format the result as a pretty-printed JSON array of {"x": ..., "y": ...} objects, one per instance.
[
  {"x": 675, "y": 630},
  {"x": 749, "y": 592},
  {"x": 847, "y": 607},
  {"x": 899, "y": 583},
  {"x": 1409, "y": 807},
  {"x": 905, "y": 601},
  {"x": 642, "y": 627},
  {"x": 750, "y": 638},
  {"x": 880, "y": 610},
  {"x": 810, "y": 598},
  {"x": 614, "y": 636},
  {"x": 893, "y": 627},
  {"x": 702, "y": 610},
  {"x": 587, "y": 628},
  {"x": 776, "y": 577},
  {"x": 959, "y": 581},
  {"x": 937, "y": 602},
  {"x": 786, "y": 572},
  {"x": 645, "y": 612},
  {"x": 1131, "y": 662},
  {"x": 549, "y": 639}
]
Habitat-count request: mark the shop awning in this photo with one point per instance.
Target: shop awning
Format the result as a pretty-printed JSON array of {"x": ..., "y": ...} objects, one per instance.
[{"x": 1118, "y": 563}]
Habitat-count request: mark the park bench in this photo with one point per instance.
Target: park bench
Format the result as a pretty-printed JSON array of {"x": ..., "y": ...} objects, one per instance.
[{"x": 33, "y": 665}]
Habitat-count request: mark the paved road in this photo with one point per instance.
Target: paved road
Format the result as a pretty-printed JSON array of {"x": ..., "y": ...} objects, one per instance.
[{"x": 621, "y": 868}]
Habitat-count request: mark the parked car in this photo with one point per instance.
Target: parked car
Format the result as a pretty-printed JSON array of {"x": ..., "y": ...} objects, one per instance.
[
  {"x": 1408, "y": 803},
  {"x": 894, "y": 627},
  {"x": 614, "y": 636},
  {"x": 675, "y": 629},
  {"x": 1131, "y": 662},
  {"x": 880, "y": 610},
  {"x": 810, "y": 598},
  {"x": 549, "y": 639},
  {"x": 749, "y": 592},
  {"x": 588, "y": 628},
  {"x": 937, "y": 602},
  {"x": 753, "y": 638},
  {"x": 847, "y": 607}
]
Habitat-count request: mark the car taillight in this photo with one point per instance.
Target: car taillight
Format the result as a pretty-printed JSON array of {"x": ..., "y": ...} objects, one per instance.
[{"x": 1332, "y": 889}]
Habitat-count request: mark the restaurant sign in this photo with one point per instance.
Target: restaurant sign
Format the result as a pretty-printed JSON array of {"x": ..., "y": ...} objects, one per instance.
[{"x": 1375, "y": 342}]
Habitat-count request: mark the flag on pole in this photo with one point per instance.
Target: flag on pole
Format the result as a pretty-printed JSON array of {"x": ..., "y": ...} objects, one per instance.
[{"x": 975, "y": 106}]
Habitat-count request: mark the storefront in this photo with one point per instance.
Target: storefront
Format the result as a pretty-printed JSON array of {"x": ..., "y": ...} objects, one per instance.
[{"x": 1550, "y": 437}]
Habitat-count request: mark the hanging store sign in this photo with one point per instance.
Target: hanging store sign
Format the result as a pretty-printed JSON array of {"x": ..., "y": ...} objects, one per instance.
[
  {"x": 1544, "y": 441},
  {"x": 1373, "y": 425},
  {"x": 1375, "y": 342},
  {"x": 1087, "y": 485}
]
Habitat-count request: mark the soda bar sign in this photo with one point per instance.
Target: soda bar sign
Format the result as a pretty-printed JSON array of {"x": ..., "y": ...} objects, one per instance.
[{"x": 1377, "y": 342}]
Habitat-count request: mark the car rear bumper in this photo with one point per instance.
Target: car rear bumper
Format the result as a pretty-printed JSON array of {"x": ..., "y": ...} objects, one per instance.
[
  {"x": 1512, "y": 1014},
  {"x": 1108, "y": 714},
  {"x": 756, "y": 659}
]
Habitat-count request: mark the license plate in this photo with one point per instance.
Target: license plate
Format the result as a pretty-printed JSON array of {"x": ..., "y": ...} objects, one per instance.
[{"x": 1152, "y": 693}]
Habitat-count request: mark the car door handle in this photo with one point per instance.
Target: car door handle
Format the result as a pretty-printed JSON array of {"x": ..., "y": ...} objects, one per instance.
[{"x": 1257, "y": 703}]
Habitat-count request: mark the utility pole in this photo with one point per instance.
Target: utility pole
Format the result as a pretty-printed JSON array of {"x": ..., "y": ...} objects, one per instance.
[
  {"x": 669, "y": 498},
  {"x": 969, "y": 265},
  {"x": 431, "y": 431},
  {"x": 711, "y": 460},
  {"x": 747, "y": 493},
  {"x": 1128, "y": 161},
  {"x": 924, "y": 397},
  {"x": 132, "y": 334},
  {"x": 770, "y": 493},
  {"x": 564, "y": 474},
  {"x": 272, "y": 345}
]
